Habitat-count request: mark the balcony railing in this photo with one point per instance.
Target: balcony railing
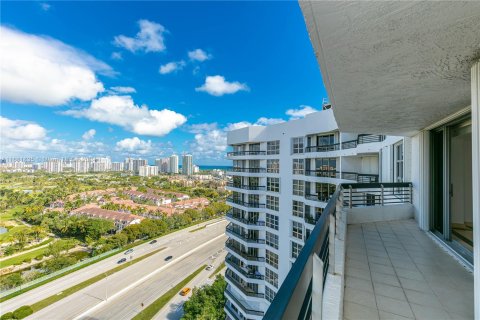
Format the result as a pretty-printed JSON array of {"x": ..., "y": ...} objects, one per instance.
[
  {"x": 374, "y": 194},
  {"x": 310, "y": 220},
  {"x": 245, "y": 221},
  {"x": 249, "y": 274},
  {"x": 294, "y": 298},
  {"x": 317, "y": 197},
  {"x": 359, "y": 177},
  {"x": 245, "y": 310},
  {"x": 246, "y": 204},
  {"x": 246, "y": 290},
  {"x": 362, "y": 138},
  {"x": 248, "y": 170},
  {"x": 246, "y": 153},
  {"x": 244, "y": 236},
  {"x": 232, "y": 312},
  {"x": 243, "y": 254},
  {"x": 245, "y": 186}
]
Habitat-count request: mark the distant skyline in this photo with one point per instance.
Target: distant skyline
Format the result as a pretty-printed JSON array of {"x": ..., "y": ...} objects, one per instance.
[{"x": 149, "y": 79}]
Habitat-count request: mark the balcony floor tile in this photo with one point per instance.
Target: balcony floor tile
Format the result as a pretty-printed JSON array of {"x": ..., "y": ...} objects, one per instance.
[{"x": 394, "y": 270}]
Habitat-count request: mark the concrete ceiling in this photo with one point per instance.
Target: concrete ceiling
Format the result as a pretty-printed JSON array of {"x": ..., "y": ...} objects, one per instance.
[{"x": 394, "y": 67}]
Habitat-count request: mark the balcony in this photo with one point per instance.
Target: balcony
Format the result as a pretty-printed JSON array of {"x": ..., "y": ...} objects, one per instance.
[
  {"x": 317, "y": 197},
  {"x": 229, "y": 245},
  {"x": 246, "y": 153},
  {"x": 238, "y": 218},
  {"x": 244, "y": 289},
  {"x": 310, "y": 220},
  {"x": 354, "y": 176},
  {"x": 241, "y": 304},
  {"x": 362, "y": 138},
  {"x": 243, "y": 271},
  {"x": 245, "y": 186},
  {"x": 246, "y": 204},
  {"x": 242, "y": 236},
  {"x": 248, "y": 170}
]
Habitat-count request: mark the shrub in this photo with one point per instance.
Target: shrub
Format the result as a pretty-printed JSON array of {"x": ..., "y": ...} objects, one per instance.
[
  {"x": 39, "y": 257},
  {"x": 7, "y": 316},
  {"x": 27, "y": 260},
  {"x": 22, "y": 312}
]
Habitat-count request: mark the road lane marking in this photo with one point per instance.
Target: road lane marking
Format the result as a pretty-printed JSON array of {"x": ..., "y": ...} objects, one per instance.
[{"x": 136, "y": 283}]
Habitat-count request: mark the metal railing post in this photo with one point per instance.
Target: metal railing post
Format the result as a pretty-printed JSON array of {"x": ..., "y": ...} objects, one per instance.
[
  {"x": 382, "y": 200},
  {"x": 350, "y": 201},
  {"x": 411, "y": 193}
]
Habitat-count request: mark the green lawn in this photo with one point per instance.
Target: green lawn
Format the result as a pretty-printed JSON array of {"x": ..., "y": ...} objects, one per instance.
[
  {"x": 19, "y": 259},
  {"x": 150, "y": 311},
  {"x": 11, "y": 234},
  {"x": 65, "y": 293}
]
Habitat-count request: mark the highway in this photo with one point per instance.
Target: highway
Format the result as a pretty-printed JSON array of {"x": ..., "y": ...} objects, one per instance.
[
  {"x": 174, "y": 243},
  {"x": 174, "y": 309}
]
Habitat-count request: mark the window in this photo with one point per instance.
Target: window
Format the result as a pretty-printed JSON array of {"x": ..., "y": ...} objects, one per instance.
[
  {"x": 298, "y": 187},
  {"x": 296, "y": 248},
  {"x": 326, "y": 167},
  {"x": 297, "y": 230},
  {"x": 325, "y": 191},
  {"x": 272, "y": 221},
  {"x": 398, "y": 158},
  {"x": 271, "y": 277},
  {"x": 273, "y": 147},
  {"x": 318, "y": 212},
  {"x": 273, "y": 184},
  {"x": 297, "y": 145},
  {"x": 298, "y": 166},
  {"x": 297, "y": 208},
  {"x": 273, "y": 166},
  {"x": 254, "y": 147},
  {"x": 271, "y": 240},
  {"x": 326, "y": 140},
  {"x": 271, "y": 258},
  {"x": 272, "y": 203},
  {"x": 269, "y": 294}
]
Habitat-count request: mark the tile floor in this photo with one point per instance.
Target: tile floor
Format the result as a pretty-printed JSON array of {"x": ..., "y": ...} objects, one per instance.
[{"x": 395, "y": 271}]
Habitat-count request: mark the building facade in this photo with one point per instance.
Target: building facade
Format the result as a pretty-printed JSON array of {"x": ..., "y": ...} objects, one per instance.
[
  {"x": 133, "y": 165},
  {"x": 117, "y": 166},
  {"x": 53, "y": 165},
  {"x": 173, "y": 164},
  {"x": 282, "y": 177},
  {"x": 147, "y": 171},
  {"x": 187, "y": 164}
]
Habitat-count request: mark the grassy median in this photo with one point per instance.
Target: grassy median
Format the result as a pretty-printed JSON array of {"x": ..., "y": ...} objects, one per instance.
[
  {"x": 150, "y": 311},
  {"x": 217, "y": 270},
  {"x": 65, "y": 293}
]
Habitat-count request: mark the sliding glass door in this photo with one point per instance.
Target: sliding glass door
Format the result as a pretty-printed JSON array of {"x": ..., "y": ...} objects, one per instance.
[{"x": 451, "y": 185}]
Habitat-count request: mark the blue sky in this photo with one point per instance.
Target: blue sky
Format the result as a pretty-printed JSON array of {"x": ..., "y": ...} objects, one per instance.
[{"x": 152, "y": 78}]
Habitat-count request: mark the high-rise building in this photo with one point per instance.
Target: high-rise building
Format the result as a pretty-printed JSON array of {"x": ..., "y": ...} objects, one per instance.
[
  {"x": 117, "y": 166},
  {"x": 163, "y": 165},
  {"x": 134, "y": 164},
  {"x": 81, "y": 165},
  {"x": 147, "y": 171},
  {"x": 187, "y": 164},
  {"x": 281, "y": 180},
  {"x": 53, "y": 165},
  {"x": 173, "y": 165}
]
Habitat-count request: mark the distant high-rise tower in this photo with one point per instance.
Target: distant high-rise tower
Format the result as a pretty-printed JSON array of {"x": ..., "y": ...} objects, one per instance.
[
  {"x": 187, "y": 164},
  {"x": 173, "y": 167}
]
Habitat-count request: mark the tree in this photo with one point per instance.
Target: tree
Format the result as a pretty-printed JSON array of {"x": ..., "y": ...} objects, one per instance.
[
  {"x": 11, "y": 281},
  {"x": 206, "y": 302}
]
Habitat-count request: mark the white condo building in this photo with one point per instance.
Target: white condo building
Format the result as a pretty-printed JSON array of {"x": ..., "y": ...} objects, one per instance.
[
  {"x": 147, "y": 171},
  {"x": 163, "y": 165},
  {"x": 282, "y": 177},
  {"x": 117, "y": 166},
  {"x": 53, "y": 165},
  {"x": 187, "y": 164},
  {"x": 133, "y": 165},
  {"x": 173, "y": 164}
]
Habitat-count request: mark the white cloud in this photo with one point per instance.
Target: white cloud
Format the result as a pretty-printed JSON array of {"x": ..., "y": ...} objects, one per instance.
[
  {"x": 134, "y": 145},
  {"x": 89, "y": 134},
  {"x": 45, "y": 6},
  {"x": 199, "y": 55},
  {"x": 122, "y": 111},
  {"x": 268, "y": 121},
  {"x": 21, "y": 130},
  {"x": 123, "y": 89},
  {"x": 116, "y": 56},
  {"x": 148, "y": 39},
  {"x": 218, "y": 86},
  {"x": 171, "y": 67},
  {"x": 41, "y": 70},
  {"x": 301, "y": 112},
  {"x": 18, "y": 137}
]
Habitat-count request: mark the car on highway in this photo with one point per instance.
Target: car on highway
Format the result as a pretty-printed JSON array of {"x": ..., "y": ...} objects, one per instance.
[
  {"x": 128, "y": 251},
  {"x": 209, "y": 267},
  {"x": 153, "y": 241},
  {"x": 122, "y": 260},
  {"x": 185, "y": 291},
  {"x": 168, "y": 258}
]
